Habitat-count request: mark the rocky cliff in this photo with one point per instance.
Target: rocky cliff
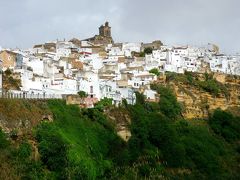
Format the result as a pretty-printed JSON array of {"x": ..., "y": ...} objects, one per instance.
[
  {"x": 121, "y": 118},
  {"x": 200, "y": 96}
]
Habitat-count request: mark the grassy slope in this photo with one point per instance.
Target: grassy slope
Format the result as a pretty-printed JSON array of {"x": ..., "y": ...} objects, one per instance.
[
  {"x": 87, "y": 138},
  {"x": 21, "y": 114},
  {"x": 90, "y": 140}
]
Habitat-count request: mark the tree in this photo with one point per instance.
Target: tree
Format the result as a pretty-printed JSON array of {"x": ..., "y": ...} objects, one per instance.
[
  {"x": 148, "y": 50},
  {"x": 8, "y": 72},
  {"x": 155, "y": 71},
  {"x": 140, "y": 98},
  {"x": 142, "y": 54},
  {"x": 105, "y": 102},
  {"x": 24, "y": 150},
  {"x": 3, "y": 140},
  {"x": 82, "y": 94},
  {"x": 225, "y": 124},
  {"x": 52, "y": 148},
  {"x": 189, "y": 76},
  {"x": 168, "y": 101}
]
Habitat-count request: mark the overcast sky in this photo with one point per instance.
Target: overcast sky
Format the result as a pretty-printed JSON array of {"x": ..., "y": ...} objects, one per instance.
[{"x": 24, "y": 23}]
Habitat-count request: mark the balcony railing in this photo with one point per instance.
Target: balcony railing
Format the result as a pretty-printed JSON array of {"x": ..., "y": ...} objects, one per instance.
[{"x": 24, "y": 95}]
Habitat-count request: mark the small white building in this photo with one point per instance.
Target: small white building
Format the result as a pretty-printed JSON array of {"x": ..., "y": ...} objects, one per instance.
[
  {"x": 128, "y": 48},
  {"x": 150, "y": 95},
  {"x": 37, "y": 65},
  {"x": 141, "y": 79}
]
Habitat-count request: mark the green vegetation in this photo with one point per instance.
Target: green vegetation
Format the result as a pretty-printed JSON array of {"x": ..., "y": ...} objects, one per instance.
[
  {"x": 206, "y": 83},
  {"x": 163, "y": 146},
  {"x": 79, "y": 142},
  {"x": 168, "y": 103},
  {"x": 104, "y": 103},
  {"x": 82, "y": 94},
  {"x": 8, "y": 72},
  {"x": 226, "y": 125},
  {"x": 17, "y": 161},
  {"x": 52, "y": 148},
  {"x": 155, "y": 71},
  {"x": 82, "y": 144},
  {"x": 147, "y": 50},
  {"x": 10, "y": 82},
  {"x": 3, "y": 140},
  {"x": 141, "y": 54}
]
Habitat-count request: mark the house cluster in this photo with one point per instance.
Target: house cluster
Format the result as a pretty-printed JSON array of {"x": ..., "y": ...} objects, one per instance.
[
  {"x": 102, "y": 68},
  {"x": 194, "y": 59}
]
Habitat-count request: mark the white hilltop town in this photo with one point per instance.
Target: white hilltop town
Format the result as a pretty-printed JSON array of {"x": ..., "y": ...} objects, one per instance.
[{"x": 103, "y": 68}]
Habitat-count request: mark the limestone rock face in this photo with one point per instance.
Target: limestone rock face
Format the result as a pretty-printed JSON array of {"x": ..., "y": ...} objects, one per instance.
[
  {"x": 198, "y": 103},
  {"x": 122, "y": 120}
]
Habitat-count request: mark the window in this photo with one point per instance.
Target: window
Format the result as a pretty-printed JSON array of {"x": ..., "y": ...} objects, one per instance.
[{"x": 91, "y": 89}]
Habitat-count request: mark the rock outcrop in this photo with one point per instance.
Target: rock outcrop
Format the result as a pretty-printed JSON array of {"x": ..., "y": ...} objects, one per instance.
[
  {"x": 121, "y": 118},
  {"x": 198, "y": 103},
  {"x": 20, "y": 116}
]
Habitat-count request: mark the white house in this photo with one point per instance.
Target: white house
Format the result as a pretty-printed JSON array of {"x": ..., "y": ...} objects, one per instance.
[
  {"x": 128, "y": 48},
  {"x": 37, "y": 65},
  {"x": 150, "y": 95},
  {"x": 116, "y": 51},
  {"x": 141, "y": 79}
]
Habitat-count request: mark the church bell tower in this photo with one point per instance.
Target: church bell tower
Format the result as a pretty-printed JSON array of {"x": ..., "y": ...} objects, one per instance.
[{"x": 105, "y": 30}]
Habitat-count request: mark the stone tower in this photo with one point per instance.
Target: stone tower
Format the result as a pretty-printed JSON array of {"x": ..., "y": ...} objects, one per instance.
[
  {"x": 104, "y": 37},
  {"x": 105, "y": 30}
]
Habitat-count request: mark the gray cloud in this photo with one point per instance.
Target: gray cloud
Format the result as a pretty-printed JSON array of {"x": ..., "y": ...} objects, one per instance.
[{"x": 195, "y": 22}]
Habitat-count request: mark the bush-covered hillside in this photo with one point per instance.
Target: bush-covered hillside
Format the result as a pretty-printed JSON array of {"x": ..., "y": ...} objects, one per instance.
[
  {"x": 204, "y": 82},
  {"x": 82, "y": 144}
]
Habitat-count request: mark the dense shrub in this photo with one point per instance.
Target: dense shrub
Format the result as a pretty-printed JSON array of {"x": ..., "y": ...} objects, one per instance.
[
  {"x": 52, "y": 148},
  {"x": 24, "y": 150},
  {"x": 206, "y": 83},
  {"x": 103, "y": 103},
  {"x": 82, "y": 144},
  {"x": 179, "y": 144},
  {"x": 82, "y": 94},
  {"x": 226, "y": 125},
  {"x": 3, "y": 140},
  {"x": 168, "y": 101},
  {"x": 155, "y": 71}
]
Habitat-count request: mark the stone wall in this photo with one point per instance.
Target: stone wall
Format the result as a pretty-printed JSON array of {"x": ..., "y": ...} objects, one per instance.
[{"x": 81, "y": 102}]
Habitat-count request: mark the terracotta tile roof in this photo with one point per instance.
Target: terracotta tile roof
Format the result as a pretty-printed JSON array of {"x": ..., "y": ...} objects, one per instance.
[{"x": 10, "y": 52}]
